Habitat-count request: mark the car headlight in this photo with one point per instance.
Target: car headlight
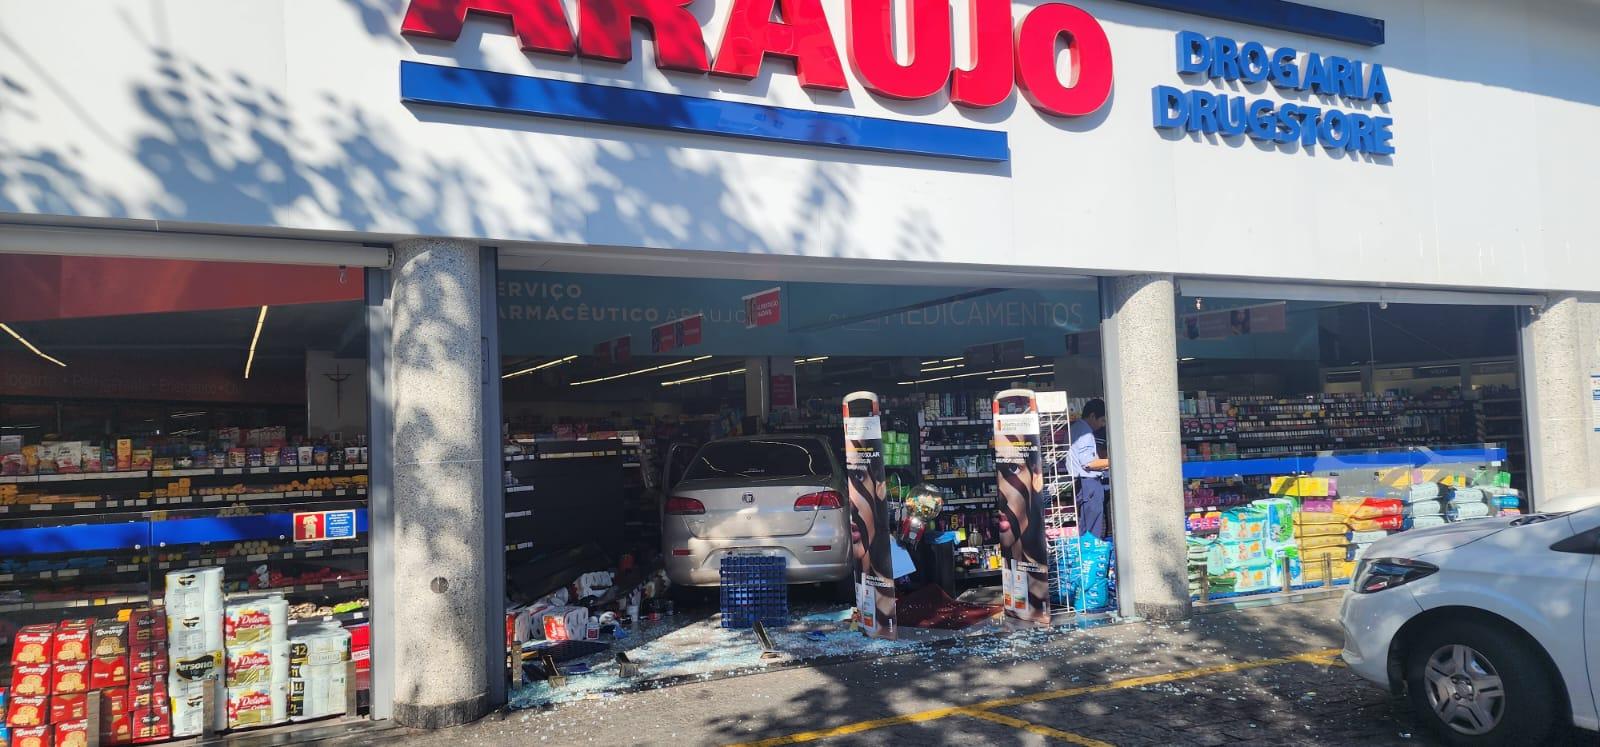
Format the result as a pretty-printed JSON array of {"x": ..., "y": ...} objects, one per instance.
[{"x": 1386, "y": 573}]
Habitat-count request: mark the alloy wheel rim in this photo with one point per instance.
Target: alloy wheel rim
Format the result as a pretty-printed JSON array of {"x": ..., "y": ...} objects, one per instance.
[{"x": 1464, "y": 690}]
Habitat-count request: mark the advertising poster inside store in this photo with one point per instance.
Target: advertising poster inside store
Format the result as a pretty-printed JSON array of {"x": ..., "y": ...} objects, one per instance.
[
  {"x": 1025, "y": 578},
  {"x": 870, "y": 552}
]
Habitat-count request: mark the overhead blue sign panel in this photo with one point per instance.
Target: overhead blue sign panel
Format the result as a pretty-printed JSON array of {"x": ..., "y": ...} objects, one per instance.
[{"x": 1283, "y": 16}]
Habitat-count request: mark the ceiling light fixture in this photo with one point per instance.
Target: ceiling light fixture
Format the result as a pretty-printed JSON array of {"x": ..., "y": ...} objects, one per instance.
[
  {"x": 614, "y": 377},
  {"x": 980, "y": 373},
  {"x": 540, "y": 367},
  {"x": 251, "y": 359},
  {"x": 803, "y": 361},
  {"x": 703, "y": 377},
  {"x": 30, "y": 346}
]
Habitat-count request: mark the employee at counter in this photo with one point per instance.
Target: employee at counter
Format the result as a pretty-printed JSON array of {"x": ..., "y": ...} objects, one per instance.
[{"x": 1088, "y": 469}]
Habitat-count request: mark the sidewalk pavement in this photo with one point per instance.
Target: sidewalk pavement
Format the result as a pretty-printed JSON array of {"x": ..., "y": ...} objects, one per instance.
[{"x": 1260, "y": 675}]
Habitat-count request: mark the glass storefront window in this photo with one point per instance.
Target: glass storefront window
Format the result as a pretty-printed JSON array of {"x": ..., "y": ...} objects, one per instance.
[{"x": 183, "y": 493}]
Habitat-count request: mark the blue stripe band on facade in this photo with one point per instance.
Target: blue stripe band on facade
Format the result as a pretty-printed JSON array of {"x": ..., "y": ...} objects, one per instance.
[
  {"x": 466, "y": 88},
  {"x": 1296, "y": 465},
  {"x": 1284, "y": 16}
]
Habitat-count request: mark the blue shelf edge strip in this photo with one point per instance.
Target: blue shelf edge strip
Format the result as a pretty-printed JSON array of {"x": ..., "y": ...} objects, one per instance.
[
  {"x": 134, "y": 535},
  {"x": 1283, "y": 16},
  {"x": 482, "y": 90},
  {"x": 1304, "y": 464}
]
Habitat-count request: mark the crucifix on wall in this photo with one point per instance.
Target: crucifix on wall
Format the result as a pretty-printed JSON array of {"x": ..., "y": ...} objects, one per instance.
[{"x": 338, "y": 378}]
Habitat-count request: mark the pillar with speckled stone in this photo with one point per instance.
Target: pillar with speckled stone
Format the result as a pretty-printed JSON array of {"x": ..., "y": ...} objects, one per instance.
[
  {"x": 1140, "y": 348},
  {"x": 1558, "y": 401},
  {"x": 439, "y": 521}
]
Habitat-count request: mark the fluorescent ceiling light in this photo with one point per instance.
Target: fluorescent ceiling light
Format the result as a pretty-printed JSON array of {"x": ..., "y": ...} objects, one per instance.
[
  {"x": 30, "y": 346},
  {"x": 980, "y": 373},
  {"x": 703, "y": 377},
  {"x": 1023, "y": 376},
  {"x": 251, "y": 359},
  {"x": 803, "y": 361},
  {"x": 540, "y": 367},
  {"x": 640, "y": 371}
]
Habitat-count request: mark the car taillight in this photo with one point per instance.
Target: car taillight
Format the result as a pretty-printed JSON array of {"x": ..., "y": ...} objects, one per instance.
[
  {"x": 819, "y": 500},
  {"x": 680, "y": 505},
  {"x": 1387, "y": 573}
]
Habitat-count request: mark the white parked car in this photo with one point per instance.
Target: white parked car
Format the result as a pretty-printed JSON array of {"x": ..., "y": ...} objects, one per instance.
[{"x": 1491, "y": 627}]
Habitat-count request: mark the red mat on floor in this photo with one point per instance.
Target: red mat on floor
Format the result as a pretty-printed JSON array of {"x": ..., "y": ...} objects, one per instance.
[{"x": 931, "y": 607}]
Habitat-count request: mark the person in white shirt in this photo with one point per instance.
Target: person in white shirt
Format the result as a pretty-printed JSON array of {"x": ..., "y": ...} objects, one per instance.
[{"x": 1088, "y": 469}]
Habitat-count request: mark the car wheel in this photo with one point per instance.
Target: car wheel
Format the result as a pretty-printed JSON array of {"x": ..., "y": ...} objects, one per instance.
[{"x": 1475, "y": 684}]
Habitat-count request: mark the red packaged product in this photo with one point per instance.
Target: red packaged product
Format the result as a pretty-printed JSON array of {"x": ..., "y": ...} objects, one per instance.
[
  {"x": 72, "y": 643},
  {"x": 110, "y": 671},
  {"x": 147, "y": 663},
  {"x": 146, "y": 694},
  {"x": 146, "y": 625},
  {"x": 70, "y": 678},
  {"x": 81, "y": 623},
  {"x": 117, "y": 730},
  {"x": 33, "y": 736},
  {"x": 30, "y": 679},
  {"x": 73, "y": 734},
  {"x": 27, "y": 710},
  {"x": 32, "y": 644},
  {"x": 68, "y": 708},
  {"x": 114, "y": 702},
  {"x": 152, "y": 725}
]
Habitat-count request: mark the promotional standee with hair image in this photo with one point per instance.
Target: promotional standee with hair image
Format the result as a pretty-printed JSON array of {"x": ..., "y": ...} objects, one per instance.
[
  {"x": 870, "y": 533},
  {"x": 1025, "y": 578}
]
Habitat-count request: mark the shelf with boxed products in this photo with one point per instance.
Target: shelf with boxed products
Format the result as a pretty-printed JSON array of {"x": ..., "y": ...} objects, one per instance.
[
  {"x": 255, "y": 558},
  {"x": 188, "y": 472}
]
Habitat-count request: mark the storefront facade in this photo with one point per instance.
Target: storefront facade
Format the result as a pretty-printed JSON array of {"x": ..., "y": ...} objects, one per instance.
[{"x": 1160, "y": 153}]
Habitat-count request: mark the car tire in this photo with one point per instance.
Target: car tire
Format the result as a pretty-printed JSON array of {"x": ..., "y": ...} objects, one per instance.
[
  {"x": 844, "y": 590},
  {"x": 1451, "y": 670}
]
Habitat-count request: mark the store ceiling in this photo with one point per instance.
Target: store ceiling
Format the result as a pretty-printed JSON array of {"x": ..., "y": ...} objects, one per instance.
[{"x": 288, "y": 331}]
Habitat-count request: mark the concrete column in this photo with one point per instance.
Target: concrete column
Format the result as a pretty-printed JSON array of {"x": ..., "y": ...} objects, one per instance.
[
  {"x": 1140, "y": 348},
  {"x": 439, "y": 522},
  {"x": 1556, "y": 397}
]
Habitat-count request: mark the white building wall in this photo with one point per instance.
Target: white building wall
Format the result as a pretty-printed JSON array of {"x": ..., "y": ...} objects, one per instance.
[{"x": 286, "y": 115}]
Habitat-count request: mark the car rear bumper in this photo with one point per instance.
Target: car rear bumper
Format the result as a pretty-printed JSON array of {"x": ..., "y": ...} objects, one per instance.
[{"x": 702, "y": 566}]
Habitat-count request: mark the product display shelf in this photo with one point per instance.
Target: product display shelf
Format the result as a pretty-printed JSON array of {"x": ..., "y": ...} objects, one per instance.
[
  {"x": 93, "y": 601},
  {"x": 190, "y": 472},
  {"x": 256, "y": 558}
]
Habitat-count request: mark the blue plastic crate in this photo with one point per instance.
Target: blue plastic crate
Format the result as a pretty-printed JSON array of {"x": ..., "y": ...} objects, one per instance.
[{"x": 754, "y": 588}]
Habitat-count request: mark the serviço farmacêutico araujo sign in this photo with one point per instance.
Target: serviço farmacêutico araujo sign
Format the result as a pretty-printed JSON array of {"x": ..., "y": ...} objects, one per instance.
[{"x": 1219, "y": 58}]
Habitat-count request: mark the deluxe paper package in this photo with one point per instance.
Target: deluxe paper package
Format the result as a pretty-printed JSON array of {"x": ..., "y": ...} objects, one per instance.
[{"x": 255, "y": 620}]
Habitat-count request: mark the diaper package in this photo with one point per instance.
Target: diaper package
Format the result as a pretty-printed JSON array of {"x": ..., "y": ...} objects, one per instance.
[{"x": 1243, "y": 523}]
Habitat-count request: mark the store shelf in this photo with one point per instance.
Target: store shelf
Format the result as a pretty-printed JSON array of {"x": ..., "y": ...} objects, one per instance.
[
  {"x": 927, "y": 421},
  {"x": 973, "y": 447},
  {"x": 973, "y": 476},
  {"x": 1305, "y": 464},
  {"x": 359, "y": 583},
  {"x": 166, "y": 473},
  {"x": 67, "y": 604},
  {"x": 286, "y": 555},
  {"x": 518, "y": 514},
  {"x": 978, "y": 574},
  {"x": 342, "y": 617},
  {"x": 569, "y": 455},
  {"x": 109, "y": 569},
  {"x": 519, "y": 489}
]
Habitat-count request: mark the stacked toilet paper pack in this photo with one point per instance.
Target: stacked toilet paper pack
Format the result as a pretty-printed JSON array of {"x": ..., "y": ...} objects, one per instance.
[
  {"x": 256, "y": 637},
  {"x": 318, "y": 658},
  {"x": 194, "y": 605}
]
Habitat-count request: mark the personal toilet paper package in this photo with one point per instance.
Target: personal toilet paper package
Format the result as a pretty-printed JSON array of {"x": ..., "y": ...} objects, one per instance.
[
  {"x": 255, "y": 620},
  {"x": 194, "y": 592},
  {"x": 188, "y": 706},
  {"x": 262, "y": 664},
  {"x": 320, "y": 692},
  {"x": 258, "y": 705}
]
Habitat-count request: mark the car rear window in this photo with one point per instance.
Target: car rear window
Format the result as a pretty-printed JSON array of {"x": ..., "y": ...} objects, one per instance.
[{"x": 764, "y": 459}]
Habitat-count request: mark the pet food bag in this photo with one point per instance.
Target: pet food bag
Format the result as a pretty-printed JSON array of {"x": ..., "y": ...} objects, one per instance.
[
  {"x": 1422, "y": 491},
  {"x": 1425, "y": 508}
]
